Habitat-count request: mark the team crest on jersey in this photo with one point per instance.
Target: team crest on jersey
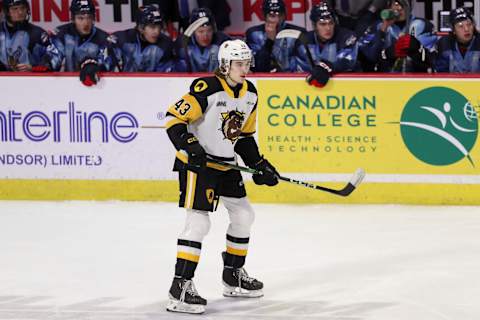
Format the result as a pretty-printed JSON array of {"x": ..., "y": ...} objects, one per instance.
[
  {"x": 200, "y": 86},
  {"x": 210, "y": 195},
  {"x": 232, "y": 123}
]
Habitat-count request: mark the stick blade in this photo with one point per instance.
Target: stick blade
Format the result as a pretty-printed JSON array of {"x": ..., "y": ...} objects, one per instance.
[
  {"x": 288, "y": 33},
  {"x": 195, "y": 25},
  {"x": 357, "y": 177},
  {"x": 354, "y": 182}
]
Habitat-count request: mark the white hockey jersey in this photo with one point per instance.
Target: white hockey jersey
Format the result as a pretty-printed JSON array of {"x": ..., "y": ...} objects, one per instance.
[{"x": 217, "y": 115}]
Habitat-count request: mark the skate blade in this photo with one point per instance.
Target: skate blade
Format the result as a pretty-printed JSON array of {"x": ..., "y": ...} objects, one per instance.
[
  {"x": 177, "y": 306},
  {"x": 237, "y": 292}
]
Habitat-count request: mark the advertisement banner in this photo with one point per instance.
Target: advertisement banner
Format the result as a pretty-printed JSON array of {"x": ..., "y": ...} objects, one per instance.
[
  {"x": 60, "y": 129},
  {"x": 119, "y": 15},
  {"x": 416, "y": 138},
  {"x": 422, "y": 130}
]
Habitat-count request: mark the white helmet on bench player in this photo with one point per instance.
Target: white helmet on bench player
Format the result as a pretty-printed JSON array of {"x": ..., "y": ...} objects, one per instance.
[{"x": 232, "y": 50}]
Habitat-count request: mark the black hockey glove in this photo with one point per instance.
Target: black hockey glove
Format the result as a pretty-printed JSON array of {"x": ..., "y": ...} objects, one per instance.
[
  {"x": 197, "y": 158},
  {"x": 269, "y": 174},
  {"x": 320, "y": 75},
  {"x": 89, "y": 72}
]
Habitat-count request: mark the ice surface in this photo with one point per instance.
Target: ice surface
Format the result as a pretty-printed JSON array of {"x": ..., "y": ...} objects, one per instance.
[{"x": 115, "y": 260}]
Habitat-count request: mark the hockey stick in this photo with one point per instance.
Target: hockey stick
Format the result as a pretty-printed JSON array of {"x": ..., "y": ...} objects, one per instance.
[
  {"x": 302, "y": 37},
  {"x": 345, "y": 191},
  {"x": 153, "y": 127},
  {"x": 188, "y": 34}
]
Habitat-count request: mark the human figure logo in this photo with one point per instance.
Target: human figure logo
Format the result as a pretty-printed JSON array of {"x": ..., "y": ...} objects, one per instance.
[{"x": 439, "y": 126}]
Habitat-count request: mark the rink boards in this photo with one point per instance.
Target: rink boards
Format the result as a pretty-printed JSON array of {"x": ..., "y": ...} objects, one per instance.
[{"x": 415, "y": 138}]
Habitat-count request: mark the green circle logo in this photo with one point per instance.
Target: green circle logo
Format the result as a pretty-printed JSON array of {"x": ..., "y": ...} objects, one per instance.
[{"x": 439, "y": 126}]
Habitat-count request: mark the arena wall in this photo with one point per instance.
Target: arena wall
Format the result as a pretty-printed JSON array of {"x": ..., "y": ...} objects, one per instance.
[{"x": 414, "y": 136}]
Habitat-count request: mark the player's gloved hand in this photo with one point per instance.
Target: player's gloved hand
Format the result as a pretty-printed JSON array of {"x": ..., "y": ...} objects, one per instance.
[
  {"x": 320, "y": 75},
  {"x": 197, "y": 158},
  {"x": 269, "y": 174},
  {"x": 406, "y": 45},
  {"x": 89, "y": 72}
]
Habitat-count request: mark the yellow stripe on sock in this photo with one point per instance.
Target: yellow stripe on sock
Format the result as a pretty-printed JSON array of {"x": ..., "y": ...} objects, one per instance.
[
  {"x": 188, "y": 256},
  {"x": 237, "y": 252}
]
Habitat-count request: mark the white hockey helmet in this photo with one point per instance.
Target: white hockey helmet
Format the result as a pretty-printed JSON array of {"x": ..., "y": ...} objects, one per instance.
[{"x": 233, "y": 50}]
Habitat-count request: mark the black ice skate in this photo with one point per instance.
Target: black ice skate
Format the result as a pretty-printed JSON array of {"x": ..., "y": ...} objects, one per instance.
[
  {"x": 238, "y": 284},
  {"x": 184, "y": 297}
]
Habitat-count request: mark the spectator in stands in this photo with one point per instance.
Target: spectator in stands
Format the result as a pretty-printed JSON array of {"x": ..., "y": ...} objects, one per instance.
[
  {"x": 198, "y": 53},
  {"x": 84, "y": 47},
  {"x": 460, "y": 50},
  {"x": 220, "y": 9},
  {"x": 357, "y": 15},
  {"x": 327, "y": 42},
  {"x": 261, "y": 38},
  {"x": 400, "y": 42},
  {"x": 23, "y": 45},
  {"x": 144, "y": 48}
]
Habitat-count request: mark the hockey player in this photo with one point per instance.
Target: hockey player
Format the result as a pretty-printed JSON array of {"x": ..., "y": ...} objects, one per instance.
[
  {"x": 333, "y": 48},
  {"x": 401, "y": 42},
  {"x": 357, "y": 15},
  {"x": 84, "y": 47},
  {"x": 262, "y": 38},
  {"x": 200, "y": 53},
  {"x": 460, "y": 50},
  {"x": 23, "y": 45},
  {"x": 216, "y": 120},
  {"x": 144, "y": 48}
]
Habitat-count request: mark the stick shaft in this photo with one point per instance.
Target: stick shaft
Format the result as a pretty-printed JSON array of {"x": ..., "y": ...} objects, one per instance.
[{"x": 342, "y": 192}]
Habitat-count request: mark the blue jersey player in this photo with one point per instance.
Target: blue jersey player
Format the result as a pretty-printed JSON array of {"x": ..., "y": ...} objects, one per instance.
[
  {"x": 84, "y": 47},
  {"x": 199, "y": 54},
  {"x": 144, "y": 48},
  {"x": 23, "y": 45}
]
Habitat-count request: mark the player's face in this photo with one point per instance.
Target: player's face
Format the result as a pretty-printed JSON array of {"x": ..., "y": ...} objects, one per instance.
[
  {"x": 464, "y": 31},
  {"x": 325, "y": 29},
  {"x": 83, "y": 23},
  {"x": 239, "y": 70},
  {"x": 18, "y": 13},
  {"x": 274, "y": 17},
  {"x": 402, "y": 15},
  {"x": 151, "y": 32},
  {"x": 204, "y": 36}
]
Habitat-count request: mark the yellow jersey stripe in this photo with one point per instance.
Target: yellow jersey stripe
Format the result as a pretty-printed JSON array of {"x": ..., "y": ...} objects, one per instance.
[
  {"x": 188, "y": 256},
  {"x": 186, "y": 109},
  {"x": 250, "y": 125},
  {"x": 229, "y": 90}
]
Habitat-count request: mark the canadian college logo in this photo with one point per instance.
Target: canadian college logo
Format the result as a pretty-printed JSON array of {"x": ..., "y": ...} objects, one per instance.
[{"x": 439, "y": 126}]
